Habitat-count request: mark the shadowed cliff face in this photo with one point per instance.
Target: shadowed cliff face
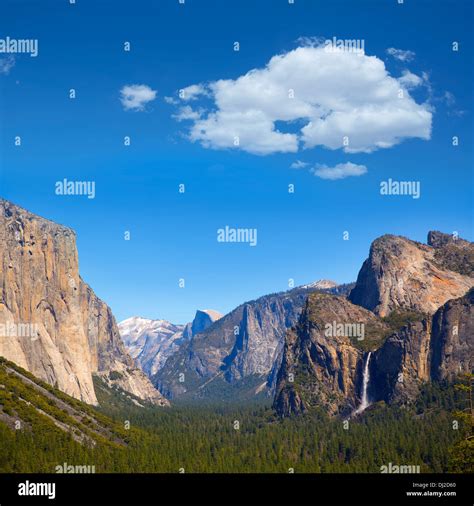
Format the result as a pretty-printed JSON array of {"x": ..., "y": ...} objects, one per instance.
[
  {"x": 401, "y": 365},
  {"x": 400, "y": 273},
  {"x": 438, "y": 348},
  {"x": 74, "y": 334},
  {"x": 452, "y": 339}
]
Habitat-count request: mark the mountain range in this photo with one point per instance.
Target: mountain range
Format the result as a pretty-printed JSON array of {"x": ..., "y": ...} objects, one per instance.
[
  {"x": 151, "y": 342},
  {"x": 407, "y": 320},
  {"x": 240, "y": 353}
]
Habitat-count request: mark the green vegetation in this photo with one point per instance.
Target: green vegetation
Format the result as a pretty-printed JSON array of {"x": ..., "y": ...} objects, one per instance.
[
  {"x": 375, "y": 336},
  {"x": 457, "y": 258},
  {"x": 462, "y": 454},
  {"x": 115, "y": 375},
  {"x": 128, "y": 438},
  {"x": 399, "y": 318}
]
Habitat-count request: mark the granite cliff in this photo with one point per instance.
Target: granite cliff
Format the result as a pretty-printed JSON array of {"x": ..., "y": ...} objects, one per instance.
[
  {"x": 437, "y": 348},
  {"x": 51, "y": 322},
  {"x": 401, "y": 273}
]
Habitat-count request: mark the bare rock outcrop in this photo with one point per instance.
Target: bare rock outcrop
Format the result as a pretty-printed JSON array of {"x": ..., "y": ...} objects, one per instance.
[{"x": 404, "y": 274}]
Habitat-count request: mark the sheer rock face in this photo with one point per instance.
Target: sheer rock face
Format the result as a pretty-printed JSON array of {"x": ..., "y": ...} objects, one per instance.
[
  {"x": 203, "y": 319},
  {"x": 73, "y": 334},
  {"x": 401, "y": 273},
  {"x": 438, "y": 348},
  {"x": 401, "y": 365},
  {"x": 321, "y": 367},
  {"x": 452, "y": 338}
]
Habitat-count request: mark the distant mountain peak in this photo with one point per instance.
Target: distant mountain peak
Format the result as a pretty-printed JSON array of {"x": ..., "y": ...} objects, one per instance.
[
  {"x": 321, "y": 284},
  {"x": 152, "y": 342},
  {"x": 212, "y": 313},
  {"x": 203, "y": 319}
]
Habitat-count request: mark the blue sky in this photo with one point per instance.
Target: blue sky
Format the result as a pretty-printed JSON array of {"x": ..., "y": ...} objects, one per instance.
[{"x": 173, "y": 235}]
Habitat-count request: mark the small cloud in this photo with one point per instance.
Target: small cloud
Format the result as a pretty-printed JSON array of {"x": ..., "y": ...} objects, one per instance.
[
  {"x": 193, "y": 92},
  {"x": 171, "y": 100},
  {"x": 134, "y": 97},
  {"x": 457, "y": 112},
  {"x": 298, "y": 165},
  {"x": 339, "y": 171},
  {"x": 187, "y": 113},
  {"x": 410, "y": 80},
  {"x": 404, "y": 55},
  {"x": 313, "y": 41},
  {"x": 6, "y": 64},
  {"x": 449, "y": 98}
]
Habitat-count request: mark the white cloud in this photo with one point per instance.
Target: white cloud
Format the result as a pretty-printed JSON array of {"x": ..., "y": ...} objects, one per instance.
[
  {"x": 338, "y": 100},
  {"x": 134, "y": 97},
  {"x": 449, "y": 98},
  {"x": 404, "y": 55},
  {"x": 299, "y": 165},
  {"x": 6, "y": 64},
  {"x": 311, "y": 41},
  {"x": 410, "y": 80},
  {"x": 171, "y": 100},
  {"x": 187, "y": 113},
  {"x": 339, "y": 171},
  {"x": 192, "y": 92}
]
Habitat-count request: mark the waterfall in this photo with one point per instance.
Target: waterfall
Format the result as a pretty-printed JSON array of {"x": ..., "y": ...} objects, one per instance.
[{"x": 365, "y": 384}]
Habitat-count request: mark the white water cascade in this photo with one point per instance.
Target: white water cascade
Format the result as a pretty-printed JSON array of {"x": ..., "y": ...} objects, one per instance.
[{"x": 364, "y": 404}]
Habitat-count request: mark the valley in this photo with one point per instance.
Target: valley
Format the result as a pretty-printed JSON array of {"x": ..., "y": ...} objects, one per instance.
[{"x": 319, "y": 378}]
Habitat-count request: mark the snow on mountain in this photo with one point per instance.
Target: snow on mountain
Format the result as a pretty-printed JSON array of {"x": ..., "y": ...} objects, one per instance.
[
  {"x": 151, "y": 342},
  {"x": 322, "y": 284}
]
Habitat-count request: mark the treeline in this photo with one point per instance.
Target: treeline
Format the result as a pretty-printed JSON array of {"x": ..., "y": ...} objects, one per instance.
[{"x": 249, "y": 439}]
